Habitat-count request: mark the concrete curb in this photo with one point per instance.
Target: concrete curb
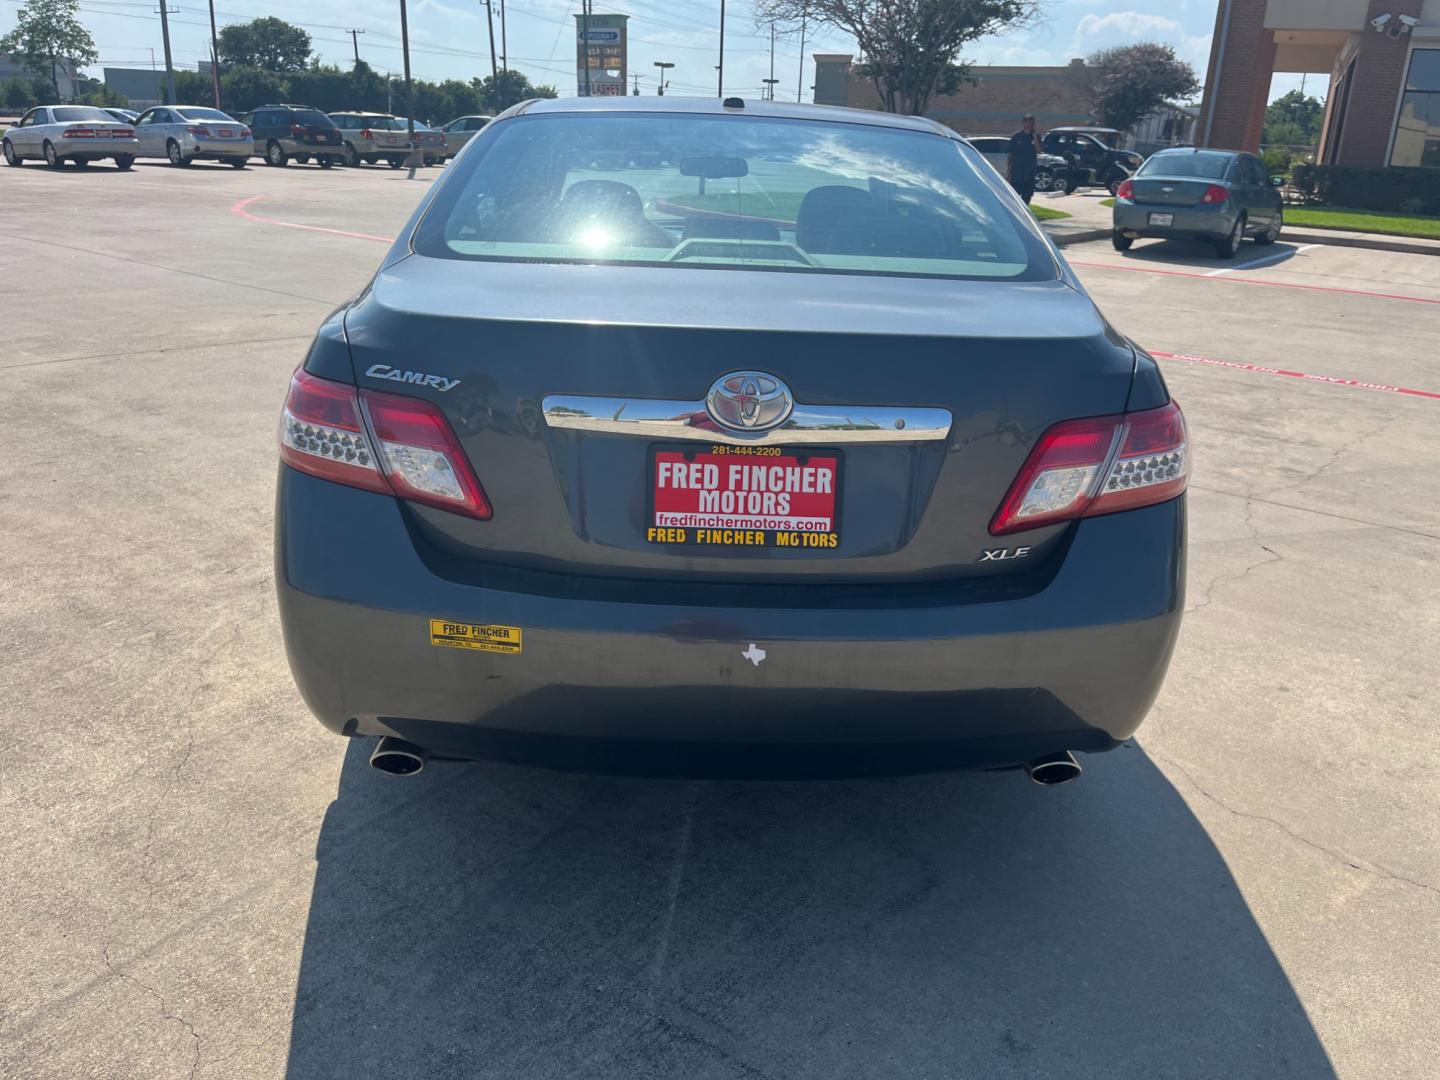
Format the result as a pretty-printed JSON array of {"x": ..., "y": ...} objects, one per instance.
[
  {"x": 1373, "y": 241},
  {"x": 1064, "y": 237}
]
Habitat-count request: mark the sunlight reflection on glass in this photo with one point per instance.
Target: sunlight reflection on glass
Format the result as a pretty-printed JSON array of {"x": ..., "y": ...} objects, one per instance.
[{"x": 596, "y": 237}]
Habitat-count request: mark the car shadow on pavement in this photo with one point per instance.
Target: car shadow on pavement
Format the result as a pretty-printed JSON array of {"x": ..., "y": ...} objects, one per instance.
[
  {"x": 1199, "y": 255},
  {"x": 493, "y": 921}
]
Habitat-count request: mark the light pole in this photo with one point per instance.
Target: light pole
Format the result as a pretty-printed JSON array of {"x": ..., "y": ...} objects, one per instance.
[
  {"x": 800, "y": 78},
  {"x": 720, "y": 67},
  {"x": 214, "y": 56},
  {"x": 417, "y": 157},
  {"x": 664, "y": 66}
]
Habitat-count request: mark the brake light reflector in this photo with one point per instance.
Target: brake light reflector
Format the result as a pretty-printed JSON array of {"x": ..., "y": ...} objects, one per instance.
[
  {"x": 1214, "y": 194},
  {"x": 1083, "y": 468},
  {"x": 1126, "y": 190},
  {"x": 366, "y": 134},
  {"x": 385, "y": 443},
  {"x": 321, "y": 434}
]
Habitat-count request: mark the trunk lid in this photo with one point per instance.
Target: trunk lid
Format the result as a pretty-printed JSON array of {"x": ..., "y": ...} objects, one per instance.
[
  {"x": 1170, "y": 190},
  {"x": 489, "y": 342}
]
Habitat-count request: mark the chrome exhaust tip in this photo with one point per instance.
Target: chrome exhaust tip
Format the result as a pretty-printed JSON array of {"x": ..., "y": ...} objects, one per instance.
[
  {"x": 396, "y": 757},
  {"x": 1052, "y": 770}
]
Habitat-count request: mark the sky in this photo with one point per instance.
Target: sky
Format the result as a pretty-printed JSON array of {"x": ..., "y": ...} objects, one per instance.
[{"x": 449, "y": 38}]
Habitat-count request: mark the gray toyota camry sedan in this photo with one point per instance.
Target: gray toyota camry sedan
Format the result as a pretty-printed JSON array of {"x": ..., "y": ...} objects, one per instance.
[{"x": 716, "y": 437}]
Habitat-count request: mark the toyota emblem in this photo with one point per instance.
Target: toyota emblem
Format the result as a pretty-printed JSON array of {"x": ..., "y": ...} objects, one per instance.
[{"x": 749, "y": 401}]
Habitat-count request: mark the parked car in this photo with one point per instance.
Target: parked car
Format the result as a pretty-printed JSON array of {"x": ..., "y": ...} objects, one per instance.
[
  {"x": 430, "y": 141},
  {"x": 1052, "y": 173},
  {"x": 373, "y": 137},
  {"x": 185, "y": 133},
  {"x": 282, "y": 132},
  {"x": 79, "y": 133},
  {"x": 1093, "y": 148},
  {"x": 128, "y": 116},
  {"x": 1221, "y": 196},
  {"x": 589, "y": 476},
  {"x": 461, "y": 130}
]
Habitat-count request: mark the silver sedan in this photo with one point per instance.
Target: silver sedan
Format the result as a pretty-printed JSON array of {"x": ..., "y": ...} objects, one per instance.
[
  {"x": 183, "y": 133},
  {"x": 60, "y": 133}
]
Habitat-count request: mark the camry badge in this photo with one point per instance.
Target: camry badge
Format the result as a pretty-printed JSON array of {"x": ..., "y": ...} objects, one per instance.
[{"x": 749, "y": 401}]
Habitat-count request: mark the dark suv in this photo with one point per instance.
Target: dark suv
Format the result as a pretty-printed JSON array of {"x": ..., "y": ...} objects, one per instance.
[
  {"x": 1089, "y": 148},
  {"x": 283, "y": 132}
]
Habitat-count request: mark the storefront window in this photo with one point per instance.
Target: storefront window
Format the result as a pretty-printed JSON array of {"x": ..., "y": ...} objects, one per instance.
[{"x": 1417, "y": 132}]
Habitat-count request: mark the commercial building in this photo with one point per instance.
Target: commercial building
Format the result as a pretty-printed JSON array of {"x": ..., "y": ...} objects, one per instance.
[
  {"x": 1382, "y": 57},
  {"x": 65, "y": 74}
]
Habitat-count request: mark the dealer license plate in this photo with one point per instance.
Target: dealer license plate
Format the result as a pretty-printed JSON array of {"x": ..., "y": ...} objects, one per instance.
[
  {"x": 744, "y": 496},
  {"x": 1162, "y": 219}
]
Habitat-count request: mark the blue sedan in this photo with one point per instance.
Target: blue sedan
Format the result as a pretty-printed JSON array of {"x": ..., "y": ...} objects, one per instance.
[{"x": 1221, "y": 196}]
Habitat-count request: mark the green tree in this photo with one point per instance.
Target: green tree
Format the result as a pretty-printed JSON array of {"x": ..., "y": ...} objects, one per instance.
[
  {"x": 324, "y": 86},
  {"x": 95, "y": 92},
  {"x": 191, "y": 88},
  {"x": 911, "y": 47},
  {"x": 268, "y": 43},
  {"x": 244, "y": 88},
  {"x": 1124, "y": 85},
  {"x": 366, "y": 88},
  {"x": 1294, "y": 120},
  {"x": 47, "y": 32},
  {"x": 511, "y": 88},
  {"x": 19, "y": 95}
]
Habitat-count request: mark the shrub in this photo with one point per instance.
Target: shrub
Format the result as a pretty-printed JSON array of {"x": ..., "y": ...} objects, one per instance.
[{"x": 1413, "y": 191}]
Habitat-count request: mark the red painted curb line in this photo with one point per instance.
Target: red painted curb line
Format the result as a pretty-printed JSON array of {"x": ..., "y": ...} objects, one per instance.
[
  {"x": 242, "y": 209},
  {"x": 1331, "y": 380}
]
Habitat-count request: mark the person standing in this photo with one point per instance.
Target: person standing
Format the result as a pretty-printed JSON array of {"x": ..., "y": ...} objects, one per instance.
[{"x": 1024, "y": 158}]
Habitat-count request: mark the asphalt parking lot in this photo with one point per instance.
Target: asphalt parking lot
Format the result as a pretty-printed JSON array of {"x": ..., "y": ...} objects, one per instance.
[{"x": 197, "y": 880}]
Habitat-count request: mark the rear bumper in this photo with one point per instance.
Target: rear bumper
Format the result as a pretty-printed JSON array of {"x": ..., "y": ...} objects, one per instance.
[
  {"x": 1207, "y": 222},
  {"x": 99, "y": 148},
  {"x": 1075, "y": 665},
  {"x": 219, "y": 149}
]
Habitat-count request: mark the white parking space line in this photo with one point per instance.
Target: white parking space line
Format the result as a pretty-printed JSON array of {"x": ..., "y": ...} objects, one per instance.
[{"x": 1269, "y": 260}]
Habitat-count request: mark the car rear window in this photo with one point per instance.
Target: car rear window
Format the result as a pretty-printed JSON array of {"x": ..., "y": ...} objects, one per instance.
[
  {"x": 313, "y": 116},
  {"x": 1202, "y": 164},
  {"x": 70, "y": 114},
  {"x": 687, "y": 190},
  {"x": 205, "y": 114}
]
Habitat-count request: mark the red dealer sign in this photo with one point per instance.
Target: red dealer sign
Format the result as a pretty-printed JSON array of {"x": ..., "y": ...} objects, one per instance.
[{"x": 757, "y": 490}]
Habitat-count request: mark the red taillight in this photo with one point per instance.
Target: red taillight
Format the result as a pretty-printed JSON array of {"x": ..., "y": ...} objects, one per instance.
[
  {"x": 1126, "y": 190},
  {"x": 199, "y": 132},
  {"x": 123, "y": 133},
  {"x": 403, "y": 447},
  {"x": 365, "y": 134},
  {"x": 78, "y": 133},
  {"x": 244, "y": 133},
  {"x": 1214, "y": 194},
  {"x": 1081, "y": 468},
  {"x": 296, "y": 130}
]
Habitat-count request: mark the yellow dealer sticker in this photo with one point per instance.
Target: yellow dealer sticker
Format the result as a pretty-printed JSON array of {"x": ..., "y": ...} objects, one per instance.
[{"x": 459, "y": 635}]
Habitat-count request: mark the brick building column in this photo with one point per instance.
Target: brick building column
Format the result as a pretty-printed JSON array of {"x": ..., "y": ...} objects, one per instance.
[
  {"x": 1375, "y": 89},
  {"x": 1237, "y": 91}
]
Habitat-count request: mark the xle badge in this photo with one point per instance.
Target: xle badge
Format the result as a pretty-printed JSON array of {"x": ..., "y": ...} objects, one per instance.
[
  {"x": 1001, "y": 554},
  {"x": 754, "y": 654}
]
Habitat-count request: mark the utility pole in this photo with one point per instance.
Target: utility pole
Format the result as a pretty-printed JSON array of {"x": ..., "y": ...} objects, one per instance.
[
  {"x": 354, "y": 40},
  {"x": 585, "y": 41},
  {"x": 165, "y": 12},
  {"x": 636, "y": 91},
  {"x": 417, "y": 158},
  {"x": 771, "y": 81},
  {"x": 800, "y": 78},
  {"x": 720, "y": 90},
  {"x": 664, "y": 66},
  {"x": 504, "y": 47},
  {"x": 494, "y": 67},
  {"x": 214, "y": 56},
  {"x": 769, "y": 88}
]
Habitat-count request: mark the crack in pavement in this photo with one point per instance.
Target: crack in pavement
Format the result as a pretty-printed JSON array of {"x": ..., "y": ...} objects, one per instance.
[
  {"x": 1207, "y": 594},
  {"x": 159, "y": 997},
  {"x": 1374, "y": 869}
]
